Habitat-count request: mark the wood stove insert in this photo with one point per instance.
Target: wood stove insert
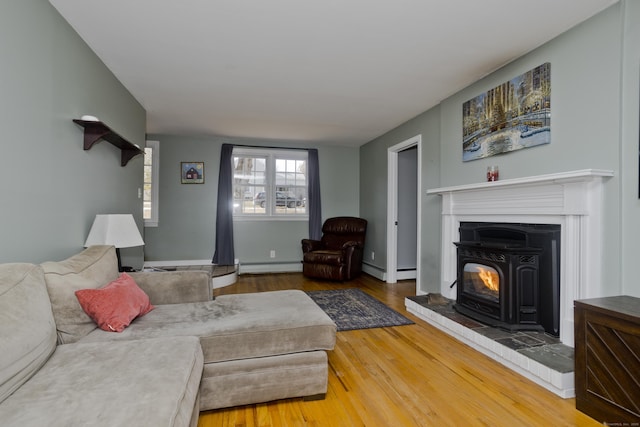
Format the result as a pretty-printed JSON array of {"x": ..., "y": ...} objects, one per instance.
[{"x": 509, "y": 275}]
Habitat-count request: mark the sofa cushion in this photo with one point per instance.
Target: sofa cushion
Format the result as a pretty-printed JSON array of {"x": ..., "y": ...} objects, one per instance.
[
  {"x": 134, "y": 383},
  {"x": 239, "y": 326},
  {"x": 175, "y": 287},
  {"x": 90, "y": 269},
  {"x": 27, "y": 329},
  {"x": 263, "y": 379},
  {"x": 114, "y": 306}
]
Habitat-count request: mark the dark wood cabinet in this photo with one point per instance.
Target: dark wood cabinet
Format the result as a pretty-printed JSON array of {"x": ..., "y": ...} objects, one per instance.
[{"x": 607, "y": 358}]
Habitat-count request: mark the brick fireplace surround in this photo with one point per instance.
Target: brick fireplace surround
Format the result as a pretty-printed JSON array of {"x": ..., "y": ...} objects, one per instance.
[{"x": 571, "y": 199}]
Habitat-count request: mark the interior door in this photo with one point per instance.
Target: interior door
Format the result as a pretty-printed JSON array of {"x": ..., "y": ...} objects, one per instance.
[
  {"x": 403, "y": 205},
  {"x": 407, "y": 240}
]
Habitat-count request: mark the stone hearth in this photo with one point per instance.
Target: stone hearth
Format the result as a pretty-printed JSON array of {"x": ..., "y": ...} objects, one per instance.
[{"x": 535, "y": 355}]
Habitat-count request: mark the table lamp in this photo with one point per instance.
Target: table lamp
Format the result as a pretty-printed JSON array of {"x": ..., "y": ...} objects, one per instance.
[{"x": 119, "y": 230}]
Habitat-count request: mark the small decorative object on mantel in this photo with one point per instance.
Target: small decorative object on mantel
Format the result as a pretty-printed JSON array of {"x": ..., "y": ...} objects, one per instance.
[
  {"x": 514, "y": 115},
  {"x": 95, "y": 130},
  {"x": 492, "y": 173},
  {"x": 192, "y": 172}
]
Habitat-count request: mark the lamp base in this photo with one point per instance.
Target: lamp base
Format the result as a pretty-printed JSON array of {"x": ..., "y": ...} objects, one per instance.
[
  {"x": 119, "y": 260},
  {"x": 121, "y": 268}
]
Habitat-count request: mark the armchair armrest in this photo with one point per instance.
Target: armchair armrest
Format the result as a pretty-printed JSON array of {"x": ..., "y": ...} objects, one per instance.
[
  {"x": 175, "y": 287},
  {"x": 351, "y": 244},
  {"x": 309, "y": 245},
  {"x": 352, "y": 253}
]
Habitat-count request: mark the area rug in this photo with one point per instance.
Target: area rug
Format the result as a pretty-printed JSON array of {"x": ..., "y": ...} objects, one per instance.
[{"x": 352, "y": 309}]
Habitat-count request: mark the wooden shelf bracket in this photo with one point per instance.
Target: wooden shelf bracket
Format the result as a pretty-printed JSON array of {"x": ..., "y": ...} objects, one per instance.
[{"x": 94, "y": 131}]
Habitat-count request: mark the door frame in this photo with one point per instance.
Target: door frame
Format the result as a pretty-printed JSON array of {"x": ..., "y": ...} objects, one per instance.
[{"x": 392, "y": 207}]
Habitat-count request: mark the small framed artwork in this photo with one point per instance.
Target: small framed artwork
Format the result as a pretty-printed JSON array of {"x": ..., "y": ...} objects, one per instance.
[{"x": 192, "y": 172}]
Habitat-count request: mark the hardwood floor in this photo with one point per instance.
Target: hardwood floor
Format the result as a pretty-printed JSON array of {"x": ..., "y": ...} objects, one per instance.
[{"x": 411, "y": 375}]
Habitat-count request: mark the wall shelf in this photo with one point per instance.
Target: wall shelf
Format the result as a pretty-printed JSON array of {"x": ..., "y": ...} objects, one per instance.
[{"x": 94, "y": 131}]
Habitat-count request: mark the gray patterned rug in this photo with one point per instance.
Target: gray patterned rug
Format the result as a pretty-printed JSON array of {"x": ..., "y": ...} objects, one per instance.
[{"x": 352, "y": 309}]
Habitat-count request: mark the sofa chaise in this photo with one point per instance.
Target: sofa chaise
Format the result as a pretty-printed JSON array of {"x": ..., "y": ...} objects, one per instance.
[{"x": 190, "y": 353}]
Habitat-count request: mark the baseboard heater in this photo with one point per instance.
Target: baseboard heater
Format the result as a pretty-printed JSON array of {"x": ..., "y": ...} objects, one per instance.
[{"x": 270, "y": 267}]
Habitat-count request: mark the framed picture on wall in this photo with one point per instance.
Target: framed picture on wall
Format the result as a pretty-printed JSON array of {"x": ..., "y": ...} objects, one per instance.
[
  {"x": 512, "y": 116},
  {"x": 192, "y": 172}
]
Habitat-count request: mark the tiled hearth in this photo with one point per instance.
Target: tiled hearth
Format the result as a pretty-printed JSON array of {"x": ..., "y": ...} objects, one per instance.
[{"x": 535, "y": 355}]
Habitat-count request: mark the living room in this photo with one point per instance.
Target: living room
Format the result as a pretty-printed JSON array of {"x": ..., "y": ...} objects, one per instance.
[
  {"x": 53, "y": 189},
  {"x": 54, "y": 78}
]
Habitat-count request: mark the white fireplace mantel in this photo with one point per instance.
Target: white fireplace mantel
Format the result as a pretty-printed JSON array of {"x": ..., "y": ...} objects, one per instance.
[{"x": 571, "y": 199}]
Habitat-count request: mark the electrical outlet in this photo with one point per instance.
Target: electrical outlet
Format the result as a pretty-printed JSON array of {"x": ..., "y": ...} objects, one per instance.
[
  {"x": 272, "y": 253},
  {"x": 373, "y": 255}
]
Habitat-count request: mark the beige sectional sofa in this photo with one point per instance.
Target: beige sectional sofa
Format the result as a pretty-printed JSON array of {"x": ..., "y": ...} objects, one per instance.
[{"x": 189, "y": 354}]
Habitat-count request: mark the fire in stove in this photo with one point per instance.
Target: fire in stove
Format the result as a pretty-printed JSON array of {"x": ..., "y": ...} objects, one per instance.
[
  {"x": 481, "y": 280},
  {"x": 489, "y": 278}
]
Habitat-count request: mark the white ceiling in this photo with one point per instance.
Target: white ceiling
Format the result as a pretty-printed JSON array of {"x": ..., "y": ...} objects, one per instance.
[{"x": 340, "y": 72}]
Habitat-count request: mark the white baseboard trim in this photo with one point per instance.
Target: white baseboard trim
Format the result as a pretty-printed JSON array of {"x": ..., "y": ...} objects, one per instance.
[
  {"x": 380, "y": 274},
  {"x": 406, "y": 274},
  {"x": 284, "y": 267},
  {"x": 375, "y": 272}
]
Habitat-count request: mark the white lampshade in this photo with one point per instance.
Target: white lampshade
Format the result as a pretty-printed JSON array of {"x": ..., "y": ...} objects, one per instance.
[{"x": 119, "y": 230}]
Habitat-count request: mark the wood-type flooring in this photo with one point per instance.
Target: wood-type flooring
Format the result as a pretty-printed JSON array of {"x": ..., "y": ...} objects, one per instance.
[{"x": 413, "y": 375}]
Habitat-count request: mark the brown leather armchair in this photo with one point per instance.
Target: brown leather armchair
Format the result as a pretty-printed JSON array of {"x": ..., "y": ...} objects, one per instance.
[{"x": 338, "y": 255}]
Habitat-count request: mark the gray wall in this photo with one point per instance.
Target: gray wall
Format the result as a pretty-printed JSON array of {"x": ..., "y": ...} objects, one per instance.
[
  {"x": 628, "y": 223},
  {"x": 594, "y": 77},
  {"x": 51, "y": 189},
  {"x": 585, "y": 122},
  {"x": 186, "y": 229},
  {"x": 373, "y": 194}
]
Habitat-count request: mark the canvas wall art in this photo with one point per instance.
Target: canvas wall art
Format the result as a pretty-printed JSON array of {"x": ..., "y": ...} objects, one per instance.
[{"x": 512, "y": 116}]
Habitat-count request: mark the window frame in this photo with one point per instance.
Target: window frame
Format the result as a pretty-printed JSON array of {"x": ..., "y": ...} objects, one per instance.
[
  {"x": 271, "y": 155},
  {"x": 154, "y": 220}
]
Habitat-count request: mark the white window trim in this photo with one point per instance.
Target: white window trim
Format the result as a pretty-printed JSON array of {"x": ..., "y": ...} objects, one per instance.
[
  {"x": 282, "y": 153},
  {"x": 155, "y": 184},
  {"x": 242, "y": 218}
]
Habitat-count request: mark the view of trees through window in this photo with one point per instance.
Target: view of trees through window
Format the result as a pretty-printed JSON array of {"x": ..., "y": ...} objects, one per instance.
[
  {"x": 148, "y": 180},
  {"x": 150, "y": 184},
  {"x": 269, "y": 184}
]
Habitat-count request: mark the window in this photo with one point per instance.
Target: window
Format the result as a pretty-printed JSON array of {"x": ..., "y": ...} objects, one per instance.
[
  {"x": 151, "y": 183},
  {"x": 268, "y": 183}
]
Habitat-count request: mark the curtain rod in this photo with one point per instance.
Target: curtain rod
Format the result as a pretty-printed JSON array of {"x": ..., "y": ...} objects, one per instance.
[{"x": 272, "y": 147}]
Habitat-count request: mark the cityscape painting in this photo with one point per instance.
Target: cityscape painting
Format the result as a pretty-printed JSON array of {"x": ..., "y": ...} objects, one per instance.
[{"x": 514, "y": 115}]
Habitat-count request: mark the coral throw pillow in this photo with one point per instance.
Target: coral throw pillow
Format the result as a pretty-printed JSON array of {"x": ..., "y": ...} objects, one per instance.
[{"x": 114, "y": 306}]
